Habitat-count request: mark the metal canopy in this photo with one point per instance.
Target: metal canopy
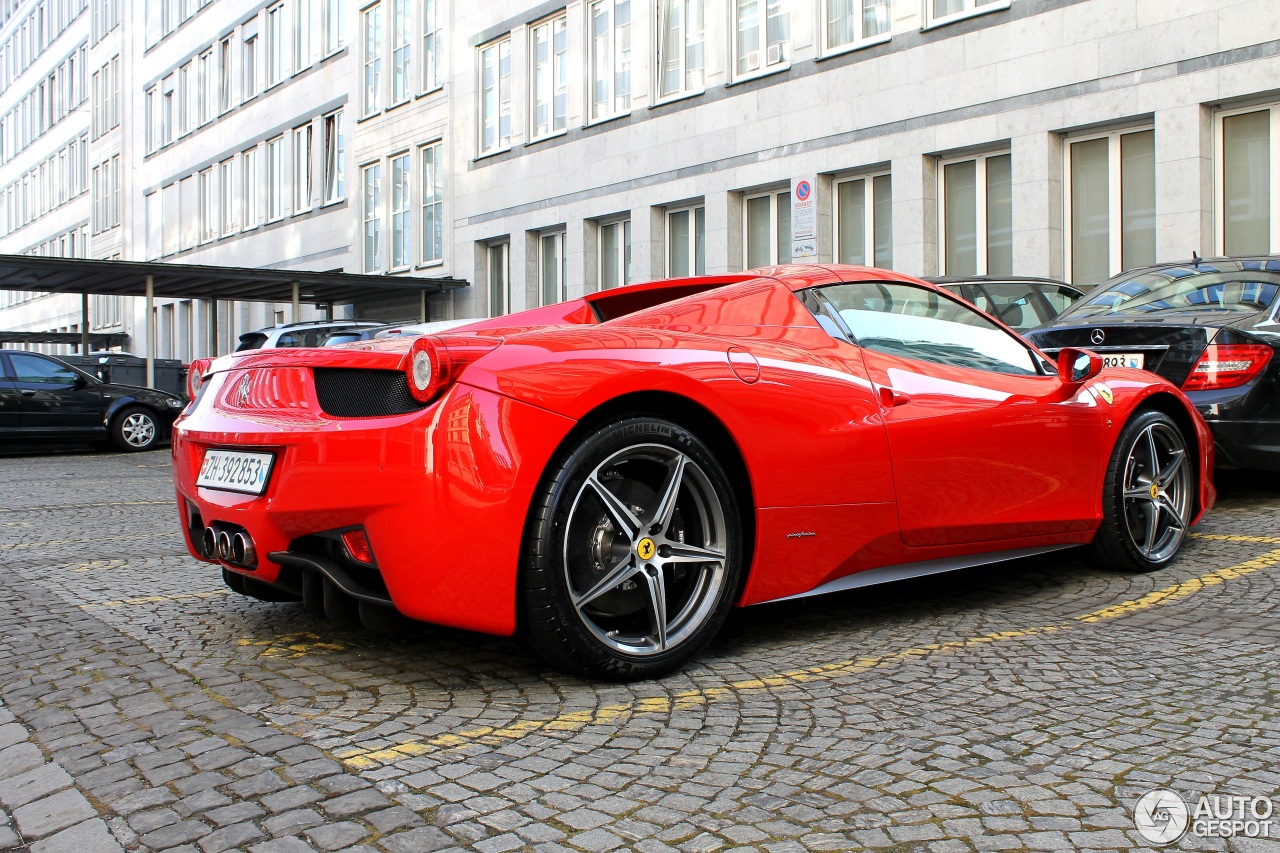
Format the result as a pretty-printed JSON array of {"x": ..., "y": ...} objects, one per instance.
[
  {"x": 102, "y": 339},
  {"x": 191, "y": 281}
]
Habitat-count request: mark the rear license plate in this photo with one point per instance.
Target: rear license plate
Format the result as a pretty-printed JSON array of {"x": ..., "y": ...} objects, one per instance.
[
  {"x": 1124, "y": 359},
  {"x": 236, "y": 471}
]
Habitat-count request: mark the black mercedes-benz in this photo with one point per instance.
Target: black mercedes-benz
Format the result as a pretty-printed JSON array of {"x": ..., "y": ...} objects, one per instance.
[{"x": 1208, "y": 326}]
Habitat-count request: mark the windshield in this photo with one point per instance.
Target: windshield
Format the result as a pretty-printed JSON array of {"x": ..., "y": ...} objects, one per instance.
[{"x": 1188, "y": 289}]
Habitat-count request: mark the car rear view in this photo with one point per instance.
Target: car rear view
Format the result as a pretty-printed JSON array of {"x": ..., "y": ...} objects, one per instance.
[{"x": 1209, "y": 327}]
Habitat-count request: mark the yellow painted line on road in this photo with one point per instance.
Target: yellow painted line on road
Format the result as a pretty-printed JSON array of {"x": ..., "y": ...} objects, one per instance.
[
  {"x": 366, "y": 759},
  {"x": 153, "y": 599},
  {"x": 53, "y": 542}
]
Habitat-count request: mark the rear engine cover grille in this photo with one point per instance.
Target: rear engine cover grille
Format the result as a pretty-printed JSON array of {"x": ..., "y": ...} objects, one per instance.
[{"x": 356, "y": 393}]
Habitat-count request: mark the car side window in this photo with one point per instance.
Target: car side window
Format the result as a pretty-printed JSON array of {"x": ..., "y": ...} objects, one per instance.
[
  {"x": 292, "y": 339},
  {"x": 40, "y": 371},
  {"x": 919, "y": 323}
]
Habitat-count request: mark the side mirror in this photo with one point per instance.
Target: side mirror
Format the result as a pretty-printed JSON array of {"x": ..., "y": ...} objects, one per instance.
[
  {"x": 1078, "y": 365},
  {"x": 79, "y": 382}
]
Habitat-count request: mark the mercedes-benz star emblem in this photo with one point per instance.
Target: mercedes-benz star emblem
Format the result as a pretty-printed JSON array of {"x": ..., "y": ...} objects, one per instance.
[
  {"x": 242, "y": 393},
  {"x": 1097, "y": 336}
]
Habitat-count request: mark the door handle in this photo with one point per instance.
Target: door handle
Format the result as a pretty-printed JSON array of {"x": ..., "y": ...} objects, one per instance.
[
  {"x": 28, "y": 393},
  {"x": 890, "y": 398}
]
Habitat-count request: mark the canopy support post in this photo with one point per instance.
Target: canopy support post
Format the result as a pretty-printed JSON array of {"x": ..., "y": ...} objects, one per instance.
[
  {"x": 213, "y": 328},
  {"x": 151, "y": 333},
  {"x": 422, "y": 306},
  {"x": 296, "y": 306},
  {"x": 84, "y": 324}
]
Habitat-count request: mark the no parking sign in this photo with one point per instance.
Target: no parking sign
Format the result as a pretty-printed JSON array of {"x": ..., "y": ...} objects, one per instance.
[{"x": 804, "y": 221}]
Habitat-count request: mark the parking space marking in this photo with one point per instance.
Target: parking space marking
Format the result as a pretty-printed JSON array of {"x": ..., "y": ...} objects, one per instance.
[
  {"x": 365, "y": 759},
  {"x": 153, "y": 599}
]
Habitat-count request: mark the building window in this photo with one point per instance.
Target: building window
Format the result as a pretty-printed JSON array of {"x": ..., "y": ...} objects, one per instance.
[
  {"x": 499, "y": 276},
  {"x": 686, "y": 242},
  {"x": 226, "y": 70},
  {"x": 681, "y": 47},
  {"x": 252, "y": 190},
  {"x": 945, "y": 11},
  {"x": 401, "y": 212},
  {"x": 495, "y": 96},
  {"x": 170, "y": 206},
  {"x": 852, "y": 22},
  {"x": 332, "y": 26},
  {"x": 432, "y": 203},
  {"x": 168, "y": 110},
  {"x": 373, "y": 218},
  {"x": 615, "y": 254},
  {"x": 762, "y": 35},
  {"x": 275, "y": 45},
  {"x": 275, "y": 179},
  {"x": 767, "y": 229},
  {"x": 151, "y": 120},
  {"x": 864, "y": 221},
  {"x": 551, "y": 266},
  {"x": 227, "y": 195},
  {"x": 206, "y": 90},
  {"x": 208, "y": 206},
  {"x": 550, "y": 75},
  {"x": 187, "y": 104},
  {"x": 610, "y": 22},
  {"x": 249, "y": 65},
  {"x": 1111, "y": 205},
  {"x": 302, "y": 168},
  {"x": 372, "y": 60},
  {"x": 1248, "y": 216},
  {"x": 302, "y": 29},
  {"x": 401, "y": 50},
  {"x": 334, "y": 156},
  {"x": 976, "y": 216},
  {"x": 432, "y": 45}
]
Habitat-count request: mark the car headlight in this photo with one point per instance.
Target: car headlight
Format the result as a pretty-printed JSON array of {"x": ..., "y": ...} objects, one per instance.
[{"x": 175, "y": 403}]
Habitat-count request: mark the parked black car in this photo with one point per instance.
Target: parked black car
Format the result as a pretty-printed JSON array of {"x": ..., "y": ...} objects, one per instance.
[
  {"x": 45, "y": 399},
  {"x": 1020, "y": 303},
  {"x": 1208, "y": 326}
]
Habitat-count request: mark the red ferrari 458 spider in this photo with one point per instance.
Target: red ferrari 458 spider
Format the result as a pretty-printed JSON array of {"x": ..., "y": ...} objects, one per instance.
[{"x": 611, "y": 474}]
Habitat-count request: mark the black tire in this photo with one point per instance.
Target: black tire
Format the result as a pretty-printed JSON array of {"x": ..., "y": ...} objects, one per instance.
[
  {"x": 1127, "y": 541},
  {"x": 135, "y": 429},
  {"x": 573, "y": 533}
]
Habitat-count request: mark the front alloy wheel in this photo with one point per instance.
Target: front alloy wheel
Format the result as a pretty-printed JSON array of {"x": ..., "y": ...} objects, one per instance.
[
  {"x": 1147, "y": 498},
  {"x": 634, "y": 552},
  {"x": 134, "y": 429}
]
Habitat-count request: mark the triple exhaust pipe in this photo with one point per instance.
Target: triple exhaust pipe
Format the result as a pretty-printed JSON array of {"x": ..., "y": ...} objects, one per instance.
[{"x": 235, "y": 548}]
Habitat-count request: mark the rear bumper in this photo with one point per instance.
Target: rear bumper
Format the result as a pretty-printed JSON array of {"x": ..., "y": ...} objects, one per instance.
[
  {"x": 1253, "y": 445},
  {"x": 442, "y": 494}
]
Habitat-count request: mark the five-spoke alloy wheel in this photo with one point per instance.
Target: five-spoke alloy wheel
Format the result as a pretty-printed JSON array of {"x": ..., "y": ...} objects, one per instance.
[
  {"x": 1147, "y": 497},
  {"x": 632, "y": 558}
]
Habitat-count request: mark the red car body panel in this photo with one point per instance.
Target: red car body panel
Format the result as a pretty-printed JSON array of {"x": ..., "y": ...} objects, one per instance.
[{"x": 843, "y": 476}]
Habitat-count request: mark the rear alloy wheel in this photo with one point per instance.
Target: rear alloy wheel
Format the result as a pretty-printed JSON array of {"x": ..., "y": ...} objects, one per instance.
[
  {"x": 633, "y": 554},
  {"x": 1147, "y": 496},
  {"x": 134, "y": 429}
]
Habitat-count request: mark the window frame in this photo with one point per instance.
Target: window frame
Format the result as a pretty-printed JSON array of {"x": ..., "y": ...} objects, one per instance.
[
  {"x": 400, "y": 220},
  {"x": 775, "y": 257},
  {"x": 1219, "y": 173},
  {"x": 763, "y": 45},
  {"x": 591, "y": 56},
  {"x": 277, "y": 45},
  {"x": 228, "y": 196},
  {"x": 862, "y": 40},
  {"x": 371, "y": 212},
  {"x": 433, "y": 46},
  {"x": 431, "y": 203},
  {"x": 869, "y": 220},
  {"x": 334, "y": 166},
  {"x": 1115, "y": 236},
  {"x": 982, "y": 212},
  {"x": 622, "y": 266},
  {"x": 692, "y": 210},
  {"x": 498, "y": 297},
  {"x": 500, "y": 144},
  {"x": 559, "y": 79},
  {"x": 303, "y": 139},
  {"x": 684, "y": 90},
  {"x": 371, "y": 61},
  {"x": 559, "y": 235},
  {"x": 971, "y": 9},
  {"x": 274, "y": 180},
  {"x": 251, "y": 188}
]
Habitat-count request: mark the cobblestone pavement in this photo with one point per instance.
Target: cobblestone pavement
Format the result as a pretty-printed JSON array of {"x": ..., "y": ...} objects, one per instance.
[{"x": 1024, "y": 706}]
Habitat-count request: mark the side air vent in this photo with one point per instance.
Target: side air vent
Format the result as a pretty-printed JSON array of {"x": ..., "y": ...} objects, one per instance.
[{"x": 355, "y": 393}]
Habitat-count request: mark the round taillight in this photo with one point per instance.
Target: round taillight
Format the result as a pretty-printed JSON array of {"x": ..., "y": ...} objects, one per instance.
[
  {"x": 195, "y": 376},
  {"x": 425, "y": 370}
]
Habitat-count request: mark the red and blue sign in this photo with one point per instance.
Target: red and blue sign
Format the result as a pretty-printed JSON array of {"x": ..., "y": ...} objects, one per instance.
[{"x": 803, "y": 190}]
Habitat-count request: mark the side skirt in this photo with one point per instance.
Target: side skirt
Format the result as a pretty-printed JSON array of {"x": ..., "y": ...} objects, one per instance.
[{"x": 888, "y": 574}]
